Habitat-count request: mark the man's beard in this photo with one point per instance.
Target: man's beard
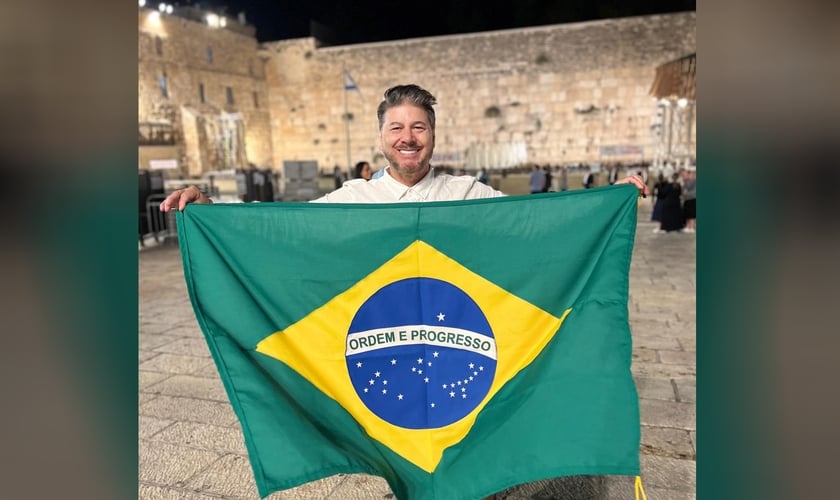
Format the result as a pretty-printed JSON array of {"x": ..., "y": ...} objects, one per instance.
[{"x": 411, "y": 173}]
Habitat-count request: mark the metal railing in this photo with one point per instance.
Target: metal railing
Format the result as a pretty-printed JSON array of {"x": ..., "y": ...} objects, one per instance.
[{"x": 161, "y": 225}]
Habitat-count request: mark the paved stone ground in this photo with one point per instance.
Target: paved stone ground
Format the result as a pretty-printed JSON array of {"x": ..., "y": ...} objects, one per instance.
[{"x": 191, "y": 447}]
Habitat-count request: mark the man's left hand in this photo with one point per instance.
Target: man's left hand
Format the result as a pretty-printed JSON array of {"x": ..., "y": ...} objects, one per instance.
[{"x": 637, "y": 181}]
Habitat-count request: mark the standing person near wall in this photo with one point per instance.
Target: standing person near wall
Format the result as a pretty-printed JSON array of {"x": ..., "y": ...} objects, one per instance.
[
  {"x": 483, "y": 177},
  {"x": 547, "y": 182},
  {"x": 588, "y": 179},
  {"x": 689, "y": 196},
  {"x": 612, "y": 178},
  {"x": 672, "y": 215},
  {"x": 362, "y": 171},
  {"x": 659, "y": 190},
  {"x": 536, "y": 181}
]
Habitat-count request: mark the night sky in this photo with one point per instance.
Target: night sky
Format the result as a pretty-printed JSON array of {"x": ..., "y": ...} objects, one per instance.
[{"x": 337, "y": 22}]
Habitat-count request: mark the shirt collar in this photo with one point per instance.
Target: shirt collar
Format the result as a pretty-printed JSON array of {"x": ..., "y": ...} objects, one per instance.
[{"x": 400, "y": 190}]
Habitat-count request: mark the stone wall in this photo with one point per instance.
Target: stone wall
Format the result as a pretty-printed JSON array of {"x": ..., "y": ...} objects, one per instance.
[
  {"x": 192, "y": 55},
  {"x": 553, "y": 94}
]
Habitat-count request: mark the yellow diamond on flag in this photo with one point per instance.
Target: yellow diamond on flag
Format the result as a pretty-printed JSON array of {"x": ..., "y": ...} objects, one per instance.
[{"x": 415, "y": 350}]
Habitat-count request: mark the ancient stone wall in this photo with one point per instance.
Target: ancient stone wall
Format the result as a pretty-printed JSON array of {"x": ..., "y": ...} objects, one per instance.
[
  {"x": 555, "y": 94},
  {"x": 229, "y": 125}
]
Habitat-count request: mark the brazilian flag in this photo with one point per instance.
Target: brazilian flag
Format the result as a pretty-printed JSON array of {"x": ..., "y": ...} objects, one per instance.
[{"x": 453, "y": 348}]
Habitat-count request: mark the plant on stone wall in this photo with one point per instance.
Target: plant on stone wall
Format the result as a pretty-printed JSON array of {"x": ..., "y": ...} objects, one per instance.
[
  {"x": 585, "y": 111},
  {"x": 348, "y": 117},
  {"x": 492, "y": 112},
  {"x": 542, "y": 58},
  {"x": 308, "y": 54},
  {"x": 321, "y": 126}
]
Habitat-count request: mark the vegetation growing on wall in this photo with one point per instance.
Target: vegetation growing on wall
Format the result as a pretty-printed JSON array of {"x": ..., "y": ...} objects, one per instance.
[{"x": 585, "y": 111}]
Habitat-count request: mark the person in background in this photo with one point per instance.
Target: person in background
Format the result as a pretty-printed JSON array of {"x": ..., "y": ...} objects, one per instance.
[
  {"x": 612, "y": 178},
  {"x": 672, "y": 215},
  {"x": 362, "y": 171},
  {"x": 659, "y": 190},
  {"x": 483, "y": 177},
  {"x": 689, "y": 196},
  {"x": 536, "y": 180},
  {"x": 588, "y": 179}
]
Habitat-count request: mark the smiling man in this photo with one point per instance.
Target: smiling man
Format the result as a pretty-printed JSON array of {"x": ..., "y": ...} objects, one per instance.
[{"x": 407, "y": 139}]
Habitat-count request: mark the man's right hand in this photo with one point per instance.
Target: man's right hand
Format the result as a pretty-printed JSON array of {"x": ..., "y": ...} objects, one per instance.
[{"x": 179, "y": 199}]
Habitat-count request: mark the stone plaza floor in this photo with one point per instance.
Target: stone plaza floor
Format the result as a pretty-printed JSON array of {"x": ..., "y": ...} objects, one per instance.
[{"x": 191, "y": 445}]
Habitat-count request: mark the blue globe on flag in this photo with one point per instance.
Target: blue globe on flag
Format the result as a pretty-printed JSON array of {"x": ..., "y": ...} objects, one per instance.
[{"x": 420, "y": 353}]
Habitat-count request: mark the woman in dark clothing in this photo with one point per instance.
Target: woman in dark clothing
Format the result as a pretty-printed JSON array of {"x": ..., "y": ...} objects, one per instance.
[
  {"x": 672, "y": 215},
  {"x": 656, "y": 216},
  {"x": 363, "y": 171}
]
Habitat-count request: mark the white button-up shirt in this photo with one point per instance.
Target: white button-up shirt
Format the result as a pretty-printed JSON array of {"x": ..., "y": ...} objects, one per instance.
[{"x": 432, "y": 187}]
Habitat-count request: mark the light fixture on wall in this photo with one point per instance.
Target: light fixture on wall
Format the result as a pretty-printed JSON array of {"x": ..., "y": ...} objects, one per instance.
[
  {"x": 154, "y": 18},
  {"x": 216, "y": 21}
]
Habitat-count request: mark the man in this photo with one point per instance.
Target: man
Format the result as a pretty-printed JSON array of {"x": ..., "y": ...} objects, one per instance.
[
  {"x": 407, "y": 139},
  {"x": 536, "y": 181}
]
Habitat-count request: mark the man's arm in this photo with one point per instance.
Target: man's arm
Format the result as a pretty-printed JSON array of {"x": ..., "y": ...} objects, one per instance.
[{"x": 179, "y": 199}]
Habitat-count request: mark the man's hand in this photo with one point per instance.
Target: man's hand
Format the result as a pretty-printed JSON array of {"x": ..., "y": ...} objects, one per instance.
[
  {"x": 179, "y": 199},
  {"x": 637, "y": 181}
]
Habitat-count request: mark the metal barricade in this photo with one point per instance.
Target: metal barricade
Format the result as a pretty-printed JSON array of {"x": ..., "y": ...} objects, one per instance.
[{"x": 161, "y": 224}]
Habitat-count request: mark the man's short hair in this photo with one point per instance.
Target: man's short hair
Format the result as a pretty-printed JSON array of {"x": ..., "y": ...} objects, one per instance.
[{"x": 407, "y": 94}]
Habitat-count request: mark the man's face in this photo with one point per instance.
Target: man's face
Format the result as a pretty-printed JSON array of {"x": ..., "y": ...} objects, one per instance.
[{"x": 407, "y": 141}]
